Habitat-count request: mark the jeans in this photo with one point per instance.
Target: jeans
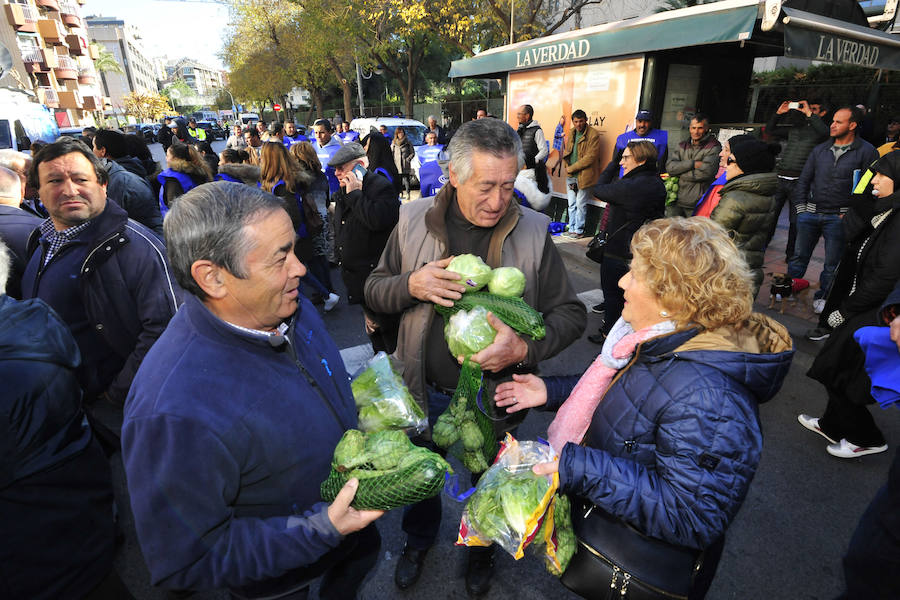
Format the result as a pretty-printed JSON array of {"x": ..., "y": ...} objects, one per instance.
[
  {"x": 809, "y": 227},
  {"x": 783, "y": 196},
  {"x": 577, "y": 206}
]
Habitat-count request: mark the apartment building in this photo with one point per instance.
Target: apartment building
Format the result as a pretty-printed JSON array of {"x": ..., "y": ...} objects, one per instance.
[
  {"x": 124, "y": 42},
  {"x": 52, "y": 58},
  {"x": 205, "y": 81}
]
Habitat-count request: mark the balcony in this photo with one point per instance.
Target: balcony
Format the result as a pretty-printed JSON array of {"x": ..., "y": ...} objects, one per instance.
[
  {"x": 22, "y": 17},
  {"x": 68, "y": 11},
  {"x": 48, "y": 97},
  {"x": 94, "y": 51},
  {"x": 33, "y": 59},
  {"x": 93, "y": 103},
  {"x": 67, "y": 69},
  {"x": 48, "y": 4},
  {"x": 87, "y": 77},
  {"x": 51, "y": 31},
  {"x": 70, "y": 99},
  {"x": 77, "y": 45}
]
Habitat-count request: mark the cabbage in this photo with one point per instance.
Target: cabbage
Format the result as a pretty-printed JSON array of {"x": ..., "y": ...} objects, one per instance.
[
  {"x": 474, "y": 274},
  {"x": 507, "y": 281},
  {"x": 469, "y": 332}
]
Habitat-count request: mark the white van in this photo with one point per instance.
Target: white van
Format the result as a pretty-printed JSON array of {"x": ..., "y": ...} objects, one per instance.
[
  {"x": 247, "y": 118},
  {"x": 23, "y": 121}
]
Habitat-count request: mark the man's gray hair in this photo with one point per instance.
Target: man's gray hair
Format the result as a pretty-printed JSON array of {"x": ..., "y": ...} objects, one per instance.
[
  {"x": 431, "y": 118},
  {"x": 5, "y": 265},
  {"x": 208, "y": 223},
  {"x": 491, "y": 136},
  {"x": 10, "y": 184}
]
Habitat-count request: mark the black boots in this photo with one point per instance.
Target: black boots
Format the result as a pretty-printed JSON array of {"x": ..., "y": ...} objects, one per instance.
[
  {"x": 479, "y": 570},
  {"x": 409, "y": 566}
]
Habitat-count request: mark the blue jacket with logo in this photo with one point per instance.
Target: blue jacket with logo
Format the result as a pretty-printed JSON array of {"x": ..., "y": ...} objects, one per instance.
[
  {"x": 826, "y": 184},
  {"x": 675, "y": 441},
  {"x": 124, "y": 282},
  {"x": 658, "y": 137},
  {"x": 225, "y": 442}
]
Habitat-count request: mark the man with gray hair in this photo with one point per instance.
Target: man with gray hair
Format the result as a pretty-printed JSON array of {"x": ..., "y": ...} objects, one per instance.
[
  {"x": 16, "y": 226},
  {"x": 436, "y": 129},
  {"x": 20, "y": 164},
  {"x": 233, "y": 418},
  {"x": 474, "y": 213}
]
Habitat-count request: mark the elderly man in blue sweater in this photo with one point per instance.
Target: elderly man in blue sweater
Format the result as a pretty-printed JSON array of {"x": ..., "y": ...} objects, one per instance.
[{"x": 233, "y": 418}]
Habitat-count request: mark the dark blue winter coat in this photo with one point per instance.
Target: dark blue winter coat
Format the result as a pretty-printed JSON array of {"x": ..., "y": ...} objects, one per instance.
[
  {"x": 125, "y": 287},
  {"x": 56, "y": 522},
  {"x": 676, "y": 440},
  {"x": 828, "y": 184},
  {"x": 135, "y": 195},
  {"x": 16, "y": 226},
  {"x": 225, "y": 443}
]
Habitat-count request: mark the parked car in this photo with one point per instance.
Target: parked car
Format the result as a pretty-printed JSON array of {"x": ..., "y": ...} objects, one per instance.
[
  {"x": 213, "y": 131},
  {"x": 144, "y": 129},
  {"x": 415, "y": 131}
]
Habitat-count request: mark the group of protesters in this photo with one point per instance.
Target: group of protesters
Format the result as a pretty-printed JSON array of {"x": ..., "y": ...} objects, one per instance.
[{"x": 160, "y": 315}]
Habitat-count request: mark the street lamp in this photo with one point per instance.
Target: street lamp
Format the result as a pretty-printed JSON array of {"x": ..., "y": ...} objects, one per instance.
[{"x": 359, "y": 77}]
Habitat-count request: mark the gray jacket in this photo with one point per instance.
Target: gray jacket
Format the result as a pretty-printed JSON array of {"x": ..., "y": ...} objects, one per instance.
[{"x": 692, "y": 182}]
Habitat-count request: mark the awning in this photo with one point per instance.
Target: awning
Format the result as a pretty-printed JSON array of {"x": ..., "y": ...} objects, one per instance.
[
  {"x": 813, "y": 36},
  {"x": 727, "y": 21}
]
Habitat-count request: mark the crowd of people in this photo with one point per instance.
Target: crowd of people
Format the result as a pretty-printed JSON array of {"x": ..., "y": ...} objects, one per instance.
[{"x": 167, "y": 313}]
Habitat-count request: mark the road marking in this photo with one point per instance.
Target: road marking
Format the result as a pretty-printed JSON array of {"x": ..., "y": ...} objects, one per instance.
[
  {"x": 591, "y": 297},
  {"x": 355, "y": 357}
]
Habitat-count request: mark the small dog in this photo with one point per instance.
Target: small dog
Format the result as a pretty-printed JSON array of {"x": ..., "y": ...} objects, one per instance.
[{"x": 783, "y": 287}]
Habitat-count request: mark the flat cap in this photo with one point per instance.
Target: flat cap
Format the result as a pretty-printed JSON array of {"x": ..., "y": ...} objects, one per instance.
[{"x": 346, "y": 153}]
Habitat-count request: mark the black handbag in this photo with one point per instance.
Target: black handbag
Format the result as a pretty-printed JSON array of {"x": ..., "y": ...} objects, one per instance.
[
  {"x": 614, "y": 560},
  {"x": 596, "y": 247}
]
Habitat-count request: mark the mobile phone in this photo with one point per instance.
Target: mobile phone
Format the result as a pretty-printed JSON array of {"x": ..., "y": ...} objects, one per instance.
[
  {"x": 794, "y": 105},
  {"x": 360, "y": 171}
]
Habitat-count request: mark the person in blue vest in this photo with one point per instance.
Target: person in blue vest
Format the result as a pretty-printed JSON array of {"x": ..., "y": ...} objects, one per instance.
[
  {"x": 643, "y": 130},
  {"x": 381, "y": 159},
  {"x": 234, "y": 166},
  {"x": 430, "y": 151},
  {"x": 325, "y": 145},
  {"x": 291, "y": 135},
  {"x": 347, "y": 134},
  {"x": 185, "y": 170}
]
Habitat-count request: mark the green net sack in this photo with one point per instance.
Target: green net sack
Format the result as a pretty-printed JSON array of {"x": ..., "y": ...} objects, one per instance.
[
  {"x": 515, "y": 312},
  {"x": 464, "y": 429},
  {"x": 392, "y": 471}
]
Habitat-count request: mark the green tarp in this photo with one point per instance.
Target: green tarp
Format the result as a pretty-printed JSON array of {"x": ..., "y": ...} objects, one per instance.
[{"x": 616, "y": 39}]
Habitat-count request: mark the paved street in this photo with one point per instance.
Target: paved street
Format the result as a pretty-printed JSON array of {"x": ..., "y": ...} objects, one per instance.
[{"x": 786, "y": 543}]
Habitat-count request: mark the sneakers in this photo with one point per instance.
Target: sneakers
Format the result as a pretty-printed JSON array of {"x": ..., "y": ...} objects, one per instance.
[
  {"x": 845, "y": 449},
  {"x": 818, "y": 305},
  {"x": 599, "y": 308},
  {"x": 812, "y": 423},
  {"x": 331, "y": 301},
  {"x": 574, "y": 235},
  {"x": 817, "y": 334}
]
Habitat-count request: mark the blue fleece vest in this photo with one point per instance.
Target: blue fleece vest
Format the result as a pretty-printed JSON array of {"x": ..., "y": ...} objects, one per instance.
[
  {"x": 186, "y": 185},
  {"x": 301, "y": 229},
  {"x": 227, "y": 177}
]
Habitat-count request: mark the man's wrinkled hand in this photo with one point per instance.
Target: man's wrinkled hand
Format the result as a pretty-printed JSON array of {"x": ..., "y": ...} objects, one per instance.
[
  {"x": 344, "y": 517},
  {"x": 783, "y": 107},
  {"x": 506, "y": 349},
  {"x": 434, "y": 283},
  {"x": 351, "y": 182}
]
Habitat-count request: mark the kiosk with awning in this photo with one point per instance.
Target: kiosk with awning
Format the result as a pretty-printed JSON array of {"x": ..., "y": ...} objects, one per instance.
[{"x": 674, "y": 63}]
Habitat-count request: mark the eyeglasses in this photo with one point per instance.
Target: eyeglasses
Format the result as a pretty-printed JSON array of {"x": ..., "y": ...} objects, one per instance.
[
  {"x": 627, "y": 156},
  {"x": 731, "y": 160}
]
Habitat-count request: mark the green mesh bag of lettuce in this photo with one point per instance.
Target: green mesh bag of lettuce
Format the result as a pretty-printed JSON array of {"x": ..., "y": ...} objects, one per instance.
[
  {"x": 464, "y": 429},
  {"x": 392, "y": 471},
  {"x": 382, "y": 399}
]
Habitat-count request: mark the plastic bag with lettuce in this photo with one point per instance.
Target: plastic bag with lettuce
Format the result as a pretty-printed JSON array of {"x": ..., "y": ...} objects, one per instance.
[
  {"x": 468, "y": 332},
  {"x": 509, "y": 501},
  {"x": 382, "y": 399}
]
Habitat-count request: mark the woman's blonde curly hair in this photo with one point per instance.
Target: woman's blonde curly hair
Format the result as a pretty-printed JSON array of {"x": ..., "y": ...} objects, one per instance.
[{"x": 695, "y": 270}]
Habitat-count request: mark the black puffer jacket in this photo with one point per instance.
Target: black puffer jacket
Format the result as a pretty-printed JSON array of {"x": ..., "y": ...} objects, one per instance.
[
  {"x": 55, "y": 488},
  {"x": 803, "y": 134},
  {"x": 639, "y": 196},
  {"x": 747, "y": 211}
]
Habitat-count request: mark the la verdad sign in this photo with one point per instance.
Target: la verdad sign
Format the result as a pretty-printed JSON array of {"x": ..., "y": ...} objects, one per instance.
[{"x": 552, "y": 53}]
